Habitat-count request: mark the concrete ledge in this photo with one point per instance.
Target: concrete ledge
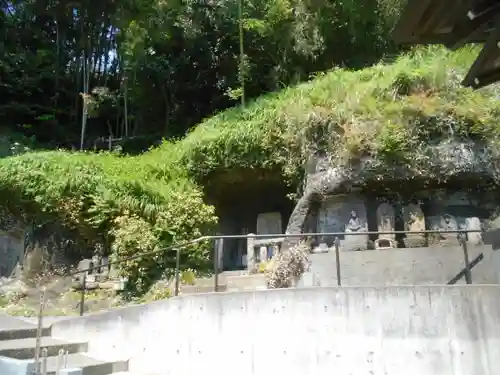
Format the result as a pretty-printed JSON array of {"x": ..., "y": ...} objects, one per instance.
[{"x": 11, "y": 366}]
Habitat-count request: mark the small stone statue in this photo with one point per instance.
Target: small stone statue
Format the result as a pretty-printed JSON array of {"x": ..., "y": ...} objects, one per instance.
[
  {"x": 355, "y": 242},
  {"x": 354, "y": 224},
  {"x": 414, "y": 221},
  {"x": 385, "y": 220},
  {"x": 449, "y": 223}
]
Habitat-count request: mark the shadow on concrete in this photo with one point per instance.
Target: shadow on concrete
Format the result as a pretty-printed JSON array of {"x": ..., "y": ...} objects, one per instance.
[{"x": 461, "y": 274}]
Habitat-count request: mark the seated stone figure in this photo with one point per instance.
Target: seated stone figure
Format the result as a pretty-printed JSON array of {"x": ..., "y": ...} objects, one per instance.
[
  {"x": 448, "y": 222},
  {"x": 354, "y": 224},
  {"x": 355, "y": 242}
]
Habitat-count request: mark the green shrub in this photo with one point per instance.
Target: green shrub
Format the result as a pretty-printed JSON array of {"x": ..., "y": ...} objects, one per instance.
[{"x": 136, "y": 204}]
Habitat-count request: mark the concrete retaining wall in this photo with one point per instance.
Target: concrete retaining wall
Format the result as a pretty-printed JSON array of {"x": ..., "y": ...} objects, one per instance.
[
  {"x": 413, "y": 266},
  {"x": 434, "y": 330},
  {"x": 11, "y": 366}
]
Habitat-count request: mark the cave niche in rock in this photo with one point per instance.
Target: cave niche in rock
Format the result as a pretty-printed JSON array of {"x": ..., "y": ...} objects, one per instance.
[{"x": 247, "y": 201}]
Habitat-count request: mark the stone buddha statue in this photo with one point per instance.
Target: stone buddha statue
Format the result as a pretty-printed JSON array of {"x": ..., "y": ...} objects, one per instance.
[{"x": 354, "y": 224}]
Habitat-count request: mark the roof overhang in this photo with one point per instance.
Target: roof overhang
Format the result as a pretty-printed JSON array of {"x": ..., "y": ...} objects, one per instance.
[{"x": 455, "y": 23}]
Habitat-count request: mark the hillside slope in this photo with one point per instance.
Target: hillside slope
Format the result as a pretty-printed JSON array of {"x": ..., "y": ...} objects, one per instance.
[
  {"x": 389, "y": 112},
  {"x": 385, "y": 118}
]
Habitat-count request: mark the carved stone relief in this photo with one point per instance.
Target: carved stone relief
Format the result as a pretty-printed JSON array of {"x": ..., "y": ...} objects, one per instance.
[
  {"x": 414, "y": 221},
  {"x": 344, "y": 213},
  {"x": 385, "y": 220},
  {"x": 444, "y": 222}
]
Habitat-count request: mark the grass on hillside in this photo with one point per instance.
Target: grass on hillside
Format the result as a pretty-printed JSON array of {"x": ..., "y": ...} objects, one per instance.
[
  {"x": 386, "y": 111},
  {"x": 131, "y": 205}
]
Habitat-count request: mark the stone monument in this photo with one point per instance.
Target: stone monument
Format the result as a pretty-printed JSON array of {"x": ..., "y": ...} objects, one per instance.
[
  {"x": 329, "y": 220},
  {"x": 448, "y": 222},
  {"x": 344, "y": 213},
  {"x": 474, "y": 238},
  {"x": 414, "y": 221},
  {"x": 355, "y": 225},
  {"x": 385, "y": 221},
  {"x": 445, "y": 222},
  {"x": 269, "y": 223}
]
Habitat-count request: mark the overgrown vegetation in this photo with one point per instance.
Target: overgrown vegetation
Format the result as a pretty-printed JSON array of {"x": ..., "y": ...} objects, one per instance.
[
  {"x": 288, "y": 267},
  {"x": 131, "y": 205},
  {"x": 389, "y": 113}
]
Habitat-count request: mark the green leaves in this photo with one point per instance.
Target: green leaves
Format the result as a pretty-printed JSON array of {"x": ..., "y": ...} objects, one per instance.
[
  {"x": 124, "y": 199},
  {"x": 389, "y": 111}
]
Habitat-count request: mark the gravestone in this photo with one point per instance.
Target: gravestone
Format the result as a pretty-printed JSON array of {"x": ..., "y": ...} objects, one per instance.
[
  {"x": 414, "y": 221},
  {"x": 344, "y": 213},
  {"x": 269, "y": 223},
  {"x": 105, "y": 266},
  {"x": 84, "y": 264},
  {"x": 385, "y": 221},
  {"x": 474, "y": 238}
]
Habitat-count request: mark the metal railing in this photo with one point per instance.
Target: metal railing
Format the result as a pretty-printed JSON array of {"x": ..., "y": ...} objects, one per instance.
[
  {"x": 260, "y": 240},
  {"x": 41, "y": 354}
]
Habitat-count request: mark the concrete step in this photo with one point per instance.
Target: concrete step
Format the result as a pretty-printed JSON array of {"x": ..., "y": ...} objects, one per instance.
[
  {"x": 25, "y": 348},
  {"x": 12, "y": 328},
  {"x": 90, "y": 366}
]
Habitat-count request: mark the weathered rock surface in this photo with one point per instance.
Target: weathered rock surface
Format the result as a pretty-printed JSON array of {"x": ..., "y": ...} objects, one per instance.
[{"x": 436, "y": 163}]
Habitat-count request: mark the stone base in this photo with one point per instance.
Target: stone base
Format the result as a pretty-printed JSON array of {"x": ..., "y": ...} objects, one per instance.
[
  {"x": 474, "y": 238},
  {"x": 355, "y": 243},
  {"x": 385, "y": 243},
  {"x": 443, "y": 241},
  {"x": 415, "y": 241}
]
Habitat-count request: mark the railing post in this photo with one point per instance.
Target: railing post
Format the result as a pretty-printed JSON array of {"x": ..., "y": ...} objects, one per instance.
[
  {"x": 337, "y": 260},
  {"x": 177, "y": 271},
  {"x": 82, "y": 296},
  {"x": 462, "y": 239},
  {"x": 250, "y": 252},
  {"x": 218, "y": 243},
  {"x": 39, "y": 330},
  {"x": 220, "y": 254}
]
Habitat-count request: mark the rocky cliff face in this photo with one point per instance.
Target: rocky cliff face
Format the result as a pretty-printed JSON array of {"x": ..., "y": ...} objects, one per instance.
[{"x": 434, "y": 175}]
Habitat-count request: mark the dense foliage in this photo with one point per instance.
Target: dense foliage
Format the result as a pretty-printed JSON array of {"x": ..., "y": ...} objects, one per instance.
[
  {"x": 132, "y": 205},
  {"x": 152, "y": 68},
  {"x": 388, "y": 112},
  {"x": 137, "y": 204},
  {"x": 74, "y": 71}
]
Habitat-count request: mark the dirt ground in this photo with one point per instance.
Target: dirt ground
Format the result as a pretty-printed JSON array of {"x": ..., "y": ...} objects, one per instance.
[{"x": 20, "y": 299}]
